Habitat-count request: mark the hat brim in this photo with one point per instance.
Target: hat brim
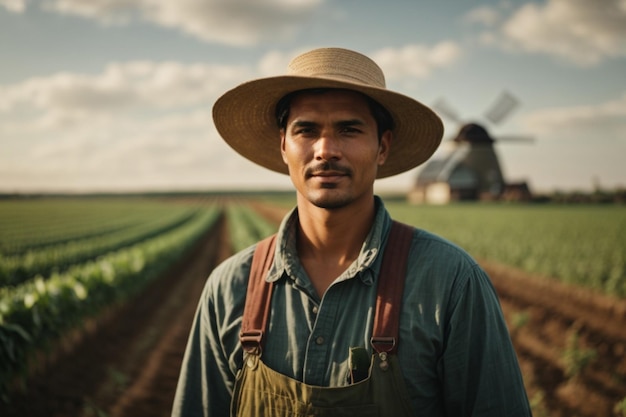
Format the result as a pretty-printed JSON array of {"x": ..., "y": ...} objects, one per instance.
[{"x": 245, "y": 118}]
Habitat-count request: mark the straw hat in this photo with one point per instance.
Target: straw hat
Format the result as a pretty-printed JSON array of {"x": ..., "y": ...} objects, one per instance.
[{"x": 245, "y": 116}]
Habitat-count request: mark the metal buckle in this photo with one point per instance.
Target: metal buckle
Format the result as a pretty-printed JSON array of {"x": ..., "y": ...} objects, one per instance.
[{"x": 383, "y": 344}]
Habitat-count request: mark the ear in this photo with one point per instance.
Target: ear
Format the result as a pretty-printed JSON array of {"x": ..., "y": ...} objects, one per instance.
[
  {"x": 282, "y": 145},
  {"x": 384, "y": 146}
]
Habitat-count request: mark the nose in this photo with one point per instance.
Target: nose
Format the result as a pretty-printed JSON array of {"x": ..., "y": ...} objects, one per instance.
[{"x": 327, "y": 147}]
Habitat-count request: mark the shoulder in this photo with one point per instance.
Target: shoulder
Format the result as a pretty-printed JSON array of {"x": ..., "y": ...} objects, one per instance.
[
  {"x": 230, "y": 278},
  {"x": 439, "y": 249},
  {"x": 435, "y": 261}
]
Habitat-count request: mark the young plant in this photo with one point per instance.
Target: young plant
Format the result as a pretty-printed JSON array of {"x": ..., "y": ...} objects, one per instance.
[
  {"x": 620, "y": 408},
  {"x": 576, "y": 358}
]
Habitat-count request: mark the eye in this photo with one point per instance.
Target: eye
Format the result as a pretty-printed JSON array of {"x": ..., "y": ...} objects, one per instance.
[
  {"x": 305, "y": 132},
  {"x": 304, "y": 129},
  {"x": 350, "y": 131},
  {"x": 350, "y": 128}
]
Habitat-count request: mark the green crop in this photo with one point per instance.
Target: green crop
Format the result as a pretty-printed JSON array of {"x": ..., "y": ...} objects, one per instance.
[
  {"x": 246, "y": 226},
  {"x": 578, "y": 244},
  {"x": 37, "y": 311}
]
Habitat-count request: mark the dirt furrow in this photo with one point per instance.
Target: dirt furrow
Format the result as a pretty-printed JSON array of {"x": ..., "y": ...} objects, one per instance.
[
  {"x": 152, "y": 391},
  {"x": 570, "y": 344}
]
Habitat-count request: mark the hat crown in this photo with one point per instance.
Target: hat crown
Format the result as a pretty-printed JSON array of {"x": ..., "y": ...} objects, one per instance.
[{"x": 338, "y": 64}]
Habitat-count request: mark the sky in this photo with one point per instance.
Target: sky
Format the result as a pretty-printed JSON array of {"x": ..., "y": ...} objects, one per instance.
[{"x": 116, "y": 95}]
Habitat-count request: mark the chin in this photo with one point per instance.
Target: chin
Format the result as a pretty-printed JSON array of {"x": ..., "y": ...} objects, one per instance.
[{"x": 329, "y": 200}]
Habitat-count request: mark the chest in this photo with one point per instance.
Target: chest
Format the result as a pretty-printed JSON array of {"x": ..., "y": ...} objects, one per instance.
[
  {"x": 310, "y": 340},
  {"x": 323, "y": 274}
]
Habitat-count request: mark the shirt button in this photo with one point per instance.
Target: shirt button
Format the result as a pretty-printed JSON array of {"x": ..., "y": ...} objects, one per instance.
[
  {"x": 315, "y": 309},
  {"x": 319, "y": 340}
]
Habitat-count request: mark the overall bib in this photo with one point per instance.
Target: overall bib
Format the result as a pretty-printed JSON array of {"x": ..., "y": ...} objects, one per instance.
[{"x": 261, "y": 391}]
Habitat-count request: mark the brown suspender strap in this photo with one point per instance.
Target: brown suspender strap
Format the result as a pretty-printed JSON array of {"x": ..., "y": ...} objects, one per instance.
[
  {"x": 388, "y": 299},
  {"x": 258, "y": 297},
  {"x": 390, "y": 288}
]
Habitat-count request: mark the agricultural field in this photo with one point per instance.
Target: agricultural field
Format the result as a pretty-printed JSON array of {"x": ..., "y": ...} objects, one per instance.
[
  {"x": 87, "y": 281},
  {"x": 560, "y": 273},
  {"x": 63, "y": 261},
  {"x": 582, "y": 245}
]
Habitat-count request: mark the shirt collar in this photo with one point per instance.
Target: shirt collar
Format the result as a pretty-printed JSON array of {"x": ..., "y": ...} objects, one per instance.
[{"x": 366, "y": 266}]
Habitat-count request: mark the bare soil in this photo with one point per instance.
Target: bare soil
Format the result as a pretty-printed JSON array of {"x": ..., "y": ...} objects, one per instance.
[
  {"x": 126, "y": 363},
  {"x": 554, "y": 327}
]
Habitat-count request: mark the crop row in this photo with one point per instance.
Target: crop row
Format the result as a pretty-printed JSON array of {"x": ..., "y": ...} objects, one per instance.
[
  {"x": 19, "y": 268},
  {"x": 33, "y": 224},
  {"x": 246, "y": 226},
  {"x": 580, "y": 245},
  {"x": 39, "y": 311}
]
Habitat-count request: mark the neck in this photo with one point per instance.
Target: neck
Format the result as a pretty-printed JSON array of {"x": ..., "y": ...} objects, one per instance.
[
  {"x": 329, "y": 240},
  {"x": 334, "y": 235}
]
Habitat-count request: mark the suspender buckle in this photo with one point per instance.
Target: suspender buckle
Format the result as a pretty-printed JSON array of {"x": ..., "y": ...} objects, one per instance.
[
  {"x": 383, "y": 344},
  {"x": 251, "y": 341}
]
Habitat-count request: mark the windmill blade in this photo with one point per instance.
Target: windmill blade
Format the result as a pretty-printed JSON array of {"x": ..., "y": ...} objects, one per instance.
[
  {"x": 502, "y": 107},
  {"x": 442, "y": 107}
]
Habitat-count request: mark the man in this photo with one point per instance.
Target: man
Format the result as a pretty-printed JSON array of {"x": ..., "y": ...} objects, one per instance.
[{"x": 334, "y": 128}]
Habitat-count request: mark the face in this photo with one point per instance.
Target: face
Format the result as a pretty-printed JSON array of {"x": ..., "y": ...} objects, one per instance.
[{"x": 331, "y": 147}]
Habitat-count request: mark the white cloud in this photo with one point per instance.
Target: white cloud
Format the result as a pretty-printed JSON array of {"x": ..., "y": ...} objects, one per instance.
[
  {"x": 581, "y": 32},
  {"x": 138, "y": 85},
  {"x": 107, "y": 11},
  {"x": 179, "y": 149},
  {"x": 135, "y": 125},
  {"x": 15, "y": 6},
  {"x": 234, "y": 22},
  {"x": 416, "y": 61},
  {"x": 581, "y": 122}
]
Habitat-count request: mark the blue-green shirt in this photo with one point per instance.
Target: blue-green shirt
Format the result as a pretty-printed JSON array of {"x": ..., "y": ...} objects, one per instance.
[{"x": 454, "y": 347}]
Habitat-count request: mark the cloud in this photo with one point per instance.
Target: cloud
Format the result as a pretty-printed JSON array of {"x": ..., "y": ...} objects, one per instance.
[
  {"x": 416, "y": 61},
  {"x": 130, "y": 86},
  {"x": 581, "y": 32},
  {"x": 581, "y": 122},
  {"x": 233, "y": 22},
  {"x": 15, "y": 6},
  {"x": 134, "y": 125},
  {"x": 178, "y": 149}
]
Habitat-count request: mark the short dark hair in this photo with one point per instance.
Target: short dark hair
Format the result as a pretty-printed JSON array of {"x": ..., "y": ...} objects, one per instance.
[{"x": 384, "y": 121}]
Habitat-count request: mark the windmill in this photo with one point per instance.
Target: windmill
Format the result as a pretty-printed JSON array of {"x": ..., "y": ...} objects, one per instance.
[{"x": 469, "y": 167}]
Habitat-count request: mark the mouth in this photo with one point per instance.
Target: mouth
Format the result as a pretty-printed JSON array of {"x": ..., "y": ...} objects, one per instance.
[
  {"x": 328, "y": 179},
  {"x": 325, "y": 172},
  {"x": 328, "y": 174}
]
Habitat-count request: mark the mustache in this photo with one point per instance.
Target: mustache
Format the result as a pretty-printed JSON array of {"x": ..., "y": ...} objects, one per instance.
[{"x": 327, "y": 166}]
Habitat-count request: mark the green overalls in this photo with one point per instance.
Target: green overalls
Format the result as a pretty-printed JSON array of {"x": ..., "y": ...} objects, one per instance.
[{"x": 260, "y": 391}]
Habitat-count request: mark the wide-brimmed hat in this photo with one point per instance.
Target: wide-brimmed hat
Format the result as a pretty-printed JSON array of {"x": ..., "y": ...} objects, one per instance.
[{"x": 245, "y": 116}]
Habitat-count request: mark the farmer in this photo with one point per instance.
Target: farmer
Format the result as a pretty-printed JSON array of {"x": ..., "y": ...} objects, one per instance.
[{"x": 319, "y": 335}]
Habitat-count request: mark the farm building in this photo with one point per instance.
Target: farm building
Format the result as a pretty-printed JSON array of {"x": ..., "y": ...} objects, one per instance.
[{"x": 469, "y": 170}]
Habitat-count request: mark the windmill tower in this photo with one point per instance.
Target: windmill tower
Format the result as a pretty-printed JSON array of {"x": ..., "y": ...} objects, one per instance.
[{"x": 469, "y": 168}]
